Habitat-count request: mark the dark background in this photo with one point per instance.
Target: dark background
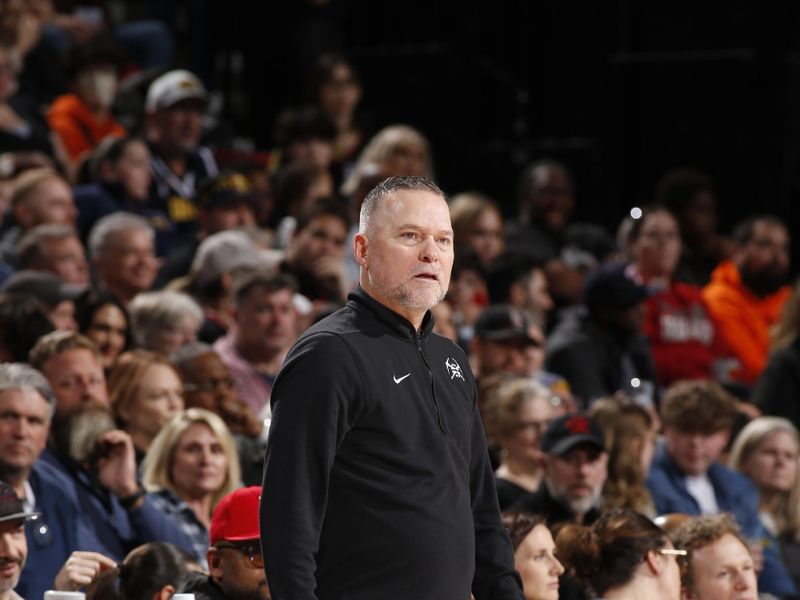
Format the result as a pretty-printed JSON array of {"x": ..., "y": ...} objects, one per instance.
[{"x": 619, "y": 91}]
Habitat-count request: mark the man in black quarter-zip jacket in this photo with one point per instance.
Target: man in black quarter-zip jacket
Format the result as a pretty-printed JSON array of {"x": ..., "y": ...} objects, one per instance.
[{"x": 377, "y": 483}]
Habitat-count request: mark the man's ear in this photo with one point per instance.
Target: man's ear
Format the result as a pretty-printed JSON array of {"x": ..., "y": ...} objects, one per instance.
[
  {"x": 652, "y": 560},
  {"x": 360, "y": 243},
  {"x": 166, "y": 593},
  {"x": 213, "y": 558}
]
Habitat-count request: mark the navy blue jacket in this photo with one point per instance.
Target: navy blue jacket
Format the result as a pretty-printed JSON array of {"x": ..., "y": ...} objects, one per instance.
[{"x": 377, "y": 481}]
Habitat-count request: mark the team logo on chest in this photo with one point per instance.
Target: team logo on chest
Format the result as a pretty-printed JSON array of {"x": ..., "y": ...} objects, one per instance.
[{"x": 453, "y": 368}]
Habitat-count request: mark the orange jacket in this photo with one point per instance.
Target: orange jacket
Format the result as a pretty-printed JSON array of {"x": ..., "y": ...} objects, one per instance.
[
  {"x": 742, "y": 319},
  {"x": 78, "y": 129}
]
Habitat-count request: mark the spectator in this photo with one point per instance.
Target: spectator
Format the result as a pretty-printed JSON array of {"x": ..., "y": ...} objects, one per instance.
[
  {"x": 219, "y": 261},
  {"x": 120, "y": 181},
  {"x": 54, "y": 248},
  {"x": 146, "y": 392},
  {"x": 23, "y": 130},
  {"x": 13, "y": 545},
  {"x": 315, "y": 252},
  {"x": 545, "y": 205},
  {"x": 27, "y": 402},
  {"x": 477, "y": 224},
  {"x": 39, "y": 196},
  {"x": 190, "y": 465},
  {"x": 57, "y": 297},
  {"x": 719, "y": 564},
  {"x": 394, "y": 150},
  {"x": 747, "y": 293},
  {"x": 682, "y": 338},
  {"x": 209, "y": 384},
  {"x": 504, "y": 341},
  {"x": 690, "y": 195},
  {"x": 602, "y": 351},
  {"x": 236, "y": 567},
  {"x": 223, "y": 203},
  {"x": 297, "y": 187},
  {"x": 623, "y": 555},
  {"x": 150, "y": 571},
  {"x": 630, "y": 434},
  {"x": 176, "y": 102},
  {"x": 71, "y": 364},
  {"x": 123, "y": 255},
  {"x": 687, "y": 477},
  {"x": 534, "y": 559},
  {"x": 766, "y": 450},
  {"x": 104, "y": 320},
  {"x": 519, "y": 279},
  {"x": 164, "y": 321},
  {"x": 82, "y": 119},
  {"x": 516, "y": 414},
  {"x": 23, "y": 320},
  {"x": 264, "y": 330},
  {"x": 574, "y": 466},
  {"x": 335, "y": 87},
  {"x": 778, "y": 387},
  {"x": 305, "y": 136}
]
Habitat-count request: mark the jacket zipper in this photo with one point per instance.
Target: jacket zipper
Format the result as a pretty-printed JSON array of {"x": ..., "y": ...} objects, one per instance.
[{"x": 433, "y": 388}]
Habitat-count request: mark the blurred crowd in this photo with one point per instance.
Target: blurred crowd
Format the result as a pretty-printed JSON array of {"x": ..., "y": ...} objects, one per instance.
[{"x": 640, "y": 388}]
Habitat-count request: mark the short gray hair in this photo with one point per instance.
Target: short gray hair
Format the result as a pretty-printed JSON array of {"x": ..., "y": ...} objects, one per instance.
[
  {"x": 388, "y": 187},
  {"x": 165, "y": 309},
  {"x": 20, "y": 376},
  {"x": 105, "y": 228},
  {"x": 189, "y": 352},
  {"x": 30, "y": 249}
]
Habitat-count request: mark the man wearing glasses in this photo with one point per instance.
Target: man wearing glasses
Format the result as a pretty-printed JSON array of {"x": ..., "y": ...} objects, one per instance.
[{"x": 235, "y": 565}]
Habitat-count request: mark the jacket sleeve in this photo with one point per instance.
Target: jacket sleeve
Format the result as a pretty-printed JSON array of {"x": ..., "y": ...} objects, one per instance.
[
  {"x": 315, "y": 401},
  {"x": 151, "y": 524},
  {"x": 495, "y": 577}
]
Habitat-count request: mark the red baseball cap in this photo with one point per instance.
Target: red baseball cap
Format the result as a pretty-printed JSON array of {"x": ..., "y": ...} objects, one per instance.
[{"x": 236, "y": 517}]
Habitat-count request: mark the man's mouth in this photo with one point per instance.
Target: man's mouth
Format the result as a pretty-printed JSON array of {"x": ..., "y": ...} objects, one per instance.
[{"x": 427, "y": 276}]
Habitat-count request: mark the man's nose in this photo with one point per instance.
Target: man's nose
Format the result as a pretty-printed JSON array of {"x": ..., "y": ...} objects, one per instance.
[{"x": 428, "y": 251}]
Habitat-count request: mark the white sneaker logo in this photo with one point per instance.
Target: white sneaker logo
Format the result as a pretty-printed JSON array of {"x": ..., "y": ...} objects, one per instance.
[{"x": 399, "y": 379}]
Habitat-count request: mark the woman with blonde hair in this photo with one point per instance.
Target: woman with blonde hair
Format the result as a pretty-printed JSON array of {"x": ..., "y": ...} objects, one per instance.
[
  {"x": 516, "y": 414},
  {"x": 777, "y": 391},
  {"x": 477, "y": 225},
  {"x": 394, "y": 150},
  {"x": 767, "y": 451},
  {"x": 145, "y": 390},
  {"x": 630, "y": 437},
  {"x": 191, "y": 464}
]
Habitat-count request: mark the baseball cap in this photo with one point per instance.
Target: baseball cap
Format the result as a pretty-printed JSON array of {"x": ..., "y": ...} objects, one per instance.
[
  {"x": 11, "y": 506},
  {"x": 173, "y": 87},
  {"x": 236, "y": 517},
  {"x": 503, "y": 322},
  {"x": 47, "y": 287},
  {"x": 225, "y": 251},
  {"x": 226, "y": 190},
  {"x": 614, "y": 285},
  {"x": 568, "y": 431}
]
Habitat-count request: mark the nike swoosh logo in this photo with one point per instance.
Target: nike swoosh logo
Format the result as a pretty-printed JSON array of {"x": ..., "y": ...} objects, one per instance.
[{"x": 399, "y": 379}]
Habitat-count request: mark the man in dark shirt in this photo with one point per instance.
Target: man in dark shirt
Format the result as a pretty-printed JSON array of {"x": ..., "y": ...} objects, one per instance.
[
  {"x": 575, "y": 469},
  {"x": 377, "y": 483}
]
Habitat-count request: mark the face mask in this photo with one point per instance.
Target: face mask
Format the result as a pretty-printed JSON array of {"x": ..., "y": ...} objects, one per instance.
[{"x": 100, "y": 86}]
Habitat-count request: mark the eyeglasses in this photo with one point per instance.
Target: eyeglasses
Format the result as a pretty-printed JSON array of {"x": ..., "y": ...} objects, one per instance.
[
  {"x": 672, "y": 552},
  {"x": 210, "y": 385},
  {"x": 536, "y": 427},
  {"x": 251, "y": 551}
]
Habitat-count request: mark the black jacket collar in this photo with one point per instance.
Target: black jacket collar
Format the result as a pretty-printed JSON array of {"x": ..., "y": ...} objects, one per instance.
[{"x": 400, "y": 326}]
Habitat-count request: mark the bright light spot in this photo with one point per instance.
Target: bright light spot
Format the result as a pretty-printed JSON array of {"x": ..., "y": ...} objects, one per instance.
[
  {"x": 636, "y": 213},
  {"x": 635, "y": 383}
]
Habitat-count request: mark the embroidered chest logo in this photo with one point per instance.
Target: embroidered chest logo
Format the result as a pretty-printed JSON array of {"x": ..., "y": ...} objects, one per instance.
[{"x": 453, "y": 368}]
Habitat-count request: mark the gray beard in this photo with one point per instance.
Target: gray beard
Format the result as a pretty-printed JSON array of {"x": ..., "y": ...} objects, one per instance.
[{"x": 577, "y": 506}]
